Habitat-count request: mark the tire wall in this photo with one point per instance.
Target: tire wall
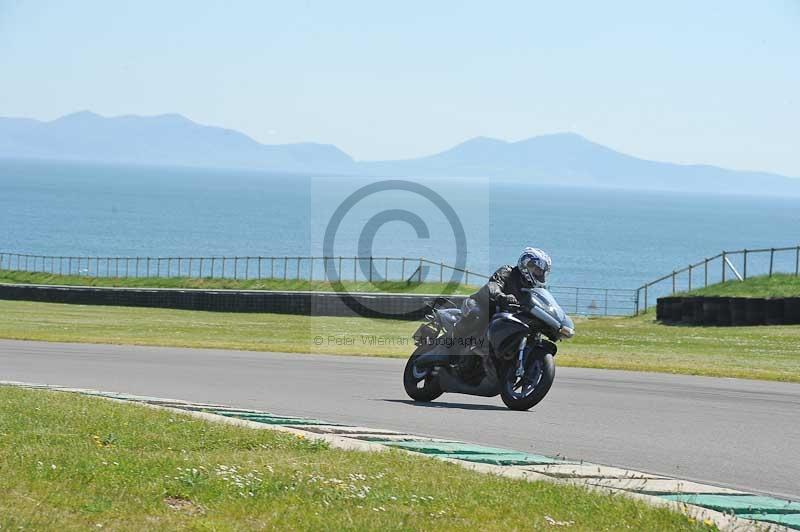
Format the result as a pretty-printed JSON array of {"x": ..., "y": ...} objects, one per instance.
[
  {"x": 727, "y": 311},
  {"x": 403, "y": 306}
]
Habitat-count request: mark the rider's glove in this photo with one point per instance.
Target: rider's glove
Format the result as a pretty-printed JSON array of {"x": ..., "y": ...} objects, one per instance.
[{"x": 508, "y": 299}]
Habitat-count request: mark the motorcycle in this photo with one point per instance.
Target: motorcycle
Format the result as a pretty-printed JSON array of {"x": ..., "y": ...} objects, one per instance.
[{"x": 513, "y": 359}]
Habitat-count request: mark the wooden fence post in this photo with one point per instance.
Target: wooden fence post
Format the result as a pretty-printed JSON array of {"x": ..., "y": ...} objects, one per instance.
[
  {"x": 744, "y": 274},
  {"x": 370, "y": 268},
  {"x": 797, "y": 262},
  {"x": 673, "y": 282},
  {"x": 690, "y": 277},
  {"x": 771, "y": 260},
  {"x": 645, "y": 299},
  {"x": 724, "y": 256}
]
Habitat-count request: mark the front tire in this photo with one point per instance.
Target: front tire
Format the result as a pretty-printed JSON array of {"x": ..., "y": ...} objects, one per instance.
[
  {"x": 421, "y": 386},
  {"x": 523, "y": 393}
]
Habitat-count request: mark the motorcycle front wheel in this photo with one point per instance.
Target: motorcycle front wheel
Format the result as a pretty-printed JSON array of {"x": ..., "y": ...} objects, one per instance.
[
  {"x": 420, "y": 385},
  {"x": 523, "y": 393}
]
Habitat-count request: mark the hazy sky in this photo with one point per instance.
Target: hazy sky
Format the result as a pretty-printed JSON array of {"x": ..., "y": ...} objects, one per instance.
[{"x": 712, "y": 81}]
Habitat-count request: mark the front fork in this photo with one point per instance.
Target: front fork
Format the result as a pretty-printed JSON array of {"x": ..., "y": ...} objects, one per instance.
[{"x": 521, "y": 357}]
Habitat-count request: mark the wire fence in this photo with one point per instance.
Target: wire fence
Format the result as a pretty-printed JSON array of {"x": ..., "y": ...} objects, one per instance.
[
  {"x": 411, "y": 270},
  {"x": 587, "y": 301},
  {"x": 725, "y": 266},
  {"x": 308, "y": 268}
]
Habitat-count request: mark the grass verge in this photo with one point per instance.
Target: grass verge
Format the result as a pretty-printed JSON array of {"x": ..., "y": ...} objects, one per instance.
[
  {"x": 72, "y": 462},
  {"x": 230, "y": 284},
  {"x": 640, "y": 344},
  {"x": 779, "y": 285}
]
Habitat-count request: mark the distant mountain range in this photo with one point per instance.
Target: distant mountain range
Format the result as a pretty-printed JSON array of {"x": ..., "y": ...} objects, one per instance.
[{"x": 564, "y": 158}]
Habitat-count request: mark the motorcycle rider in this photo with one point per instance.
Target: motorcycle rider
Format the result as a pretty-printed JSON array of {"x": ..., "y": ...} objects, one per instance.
[{"x": 503, "y": 289}]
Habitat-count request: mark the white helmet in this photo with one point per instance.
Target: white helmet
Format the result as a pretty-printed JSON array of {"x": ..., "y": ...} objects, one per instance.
[{"x": 534, "y": 265}]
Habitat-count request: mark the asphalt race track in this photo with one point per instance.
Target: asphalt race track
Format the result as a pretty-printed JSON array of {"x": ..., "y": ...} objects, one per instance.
[{"x": 730, "y": 432}]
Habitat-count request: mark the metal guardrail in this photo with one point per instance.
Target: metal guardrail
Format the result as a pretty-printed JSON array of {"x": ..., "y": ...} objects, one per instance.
[
  {"x": 721, "y": 267},
  {"x": 575, "y": 300}
]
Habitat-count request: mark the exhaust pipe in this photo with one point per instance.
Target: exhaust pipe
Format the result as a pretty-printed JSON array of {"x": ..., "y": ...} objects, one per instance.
[{"x": 488, "y": 387}]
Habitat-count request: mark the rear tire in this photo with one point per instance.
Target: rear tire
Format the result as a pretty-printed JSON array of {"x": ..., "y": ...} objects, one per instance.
[
  {"x": 544, "y": 376},
  {"x": 420, "y": 386}
]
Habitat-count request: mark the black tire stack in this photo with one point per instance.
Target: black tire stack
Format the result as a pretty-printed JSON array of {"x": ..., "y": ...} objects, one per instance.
[{"x": 727, "y": 311}]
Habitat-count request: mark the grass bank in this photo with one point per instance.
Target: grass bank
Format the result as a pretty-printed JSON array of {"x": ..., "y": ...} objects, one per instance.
[
  {"x": 72, "y": 462},
  {"x": 229, "y": 284},
  {"x": 779, "y": 285},
  {"x": 770, "y": 353}
]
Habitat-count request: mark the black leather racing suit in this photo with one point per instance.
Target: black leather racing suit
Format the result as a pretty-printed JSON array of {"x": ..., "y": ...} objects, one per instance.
[{"x": 493, "y": 296}]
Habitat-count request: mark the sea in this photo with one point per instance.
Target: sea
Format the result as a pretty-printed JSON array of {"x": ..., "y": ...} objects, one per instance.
[{"x": 599, "y": 238}]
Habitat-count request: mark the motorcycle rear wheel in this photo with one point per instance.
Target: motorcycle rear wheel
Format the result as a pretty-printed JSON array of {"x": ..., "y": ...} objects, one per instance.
[
  {"x": 532, "y": 386},
  {"x": 412, "y": 378}
]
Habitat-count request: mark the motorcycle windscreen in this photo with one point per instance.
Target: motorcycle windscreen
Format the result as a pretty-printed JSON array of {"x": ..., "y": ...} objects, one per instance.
[{"x": 544, "y": 299}]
